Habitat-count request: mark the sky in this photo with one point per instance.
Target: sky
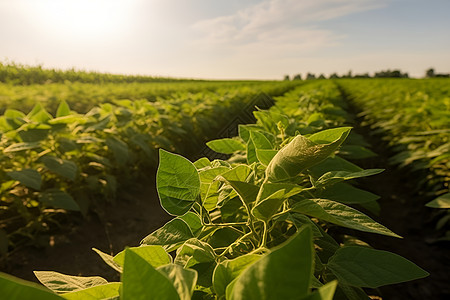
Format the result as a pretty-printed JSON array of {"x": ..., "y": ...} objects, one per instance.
[{"x": 228, "y": 39}]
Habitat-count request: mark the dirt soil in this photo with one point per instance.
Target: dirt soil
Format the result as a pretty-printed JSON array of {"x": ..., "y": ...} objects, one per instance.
[
  {"x": 123, "y": 224},
  {"x": 403, "y": 211}
]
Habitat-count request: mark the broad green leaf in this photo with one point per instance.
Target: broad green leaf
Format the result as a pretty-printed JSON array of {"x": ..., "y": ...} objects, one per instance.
[
  {"x": 183, "y": 280},
  {"x": 106, "y": 291},
  {"x": 202, "y": 162},
  {"x": 58, "y": 199},
  {"x": 63, "y": 167},
  {"x": 154, "y": 255},
  {"x": 39, "y": 115},
  {"x": 335, "y": 163},
  {"x": 63, "y": 109},
  {"x": 338, "y": 176},
  {"x": 141, "y": 281},
  {"x": 210, "y": 194},
  {"x": 366, "y": 267},
  {"x": 109, "y": 260},
  {"x": 300, "y": 154},
  {"x": 193, "y": 252},
  {"x": 226, "y": 145},
  {"x": 348, "y": 194},
  {"x": 289, "y": 189},
  {"x": 31, "y": 133},
  {"x": 325, "y": 292},
  {"x": 70, "y": 119},
  {"x": 21, "y": 147},
  {"x": 119, "y": 149},
  {"x": 236, "y": 177},
  {"x": 61, "y": 283},
  {"x": 266, "y": 208},
  {"x": 208, "y": 175},
  {"x": 260, "y": 141},
  {"x": 265, "y": 155},
  {"x": 193, "y": 221},
  {"x": 173, "y": 232},
  {"x": 178, "y": 183},
  {"x": 301, "y": 220},
  {"x": 28, "y": 177},
  {"x": 13, "y": 288},
  {"x": 330, "y": 135},
  {"x": 340, "y": 214},
  {"x": 227, "y": 271},
  {"x": 285, "y": 273},
  {"x": 251, "y": 152},
  {"x": 442, "y": 201}
]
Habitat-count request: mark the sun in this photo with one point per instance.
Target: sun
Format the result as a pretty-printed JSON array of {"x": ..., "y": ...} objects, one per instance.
[{"x": 83, "y": 18}]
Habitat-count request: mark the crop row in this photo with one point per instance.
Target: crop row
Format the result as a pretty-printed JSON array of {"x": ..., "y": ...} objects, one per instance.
[
  {"x": 72, "y": 162},
  {"x": 414, "y": 118},
  {"x": 258, "y": 225}
]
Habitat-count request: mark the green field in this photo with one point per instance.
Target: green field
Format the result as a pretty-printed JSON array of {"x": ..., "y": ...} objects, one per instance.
[{"x": 281, "y": 203}]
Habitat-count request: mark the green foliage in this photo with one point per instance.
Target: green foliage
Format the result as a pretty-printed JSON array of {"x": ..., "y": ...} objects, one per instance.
[{"x": 257, "y": 226}]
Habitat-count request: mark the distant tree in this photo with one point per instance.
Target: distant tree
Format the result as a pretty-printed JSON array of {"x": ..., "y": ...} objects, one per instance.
[
  {"x": 322, "y": 76},
  {"x": 334, "y": 76},
  {"x": 365, "y": 75},
  {"x": 391, "y": 74},
  {"x": 430, "y": 73},
  {"x": 310, "y": 76},
  {"x": 297, "y": 77},
  {"x": 286, "y": 78}
]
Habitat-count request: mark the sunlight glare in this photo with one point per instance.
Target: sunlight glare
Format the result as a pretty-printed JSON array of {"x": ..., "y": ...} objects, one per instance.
[{"x": 84, "y": 18}]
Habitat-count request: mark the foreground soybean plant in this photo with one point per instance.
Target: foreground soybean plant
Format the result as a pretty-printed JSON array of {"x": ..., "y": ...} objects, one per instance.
[{"x": 254, "y": 229}]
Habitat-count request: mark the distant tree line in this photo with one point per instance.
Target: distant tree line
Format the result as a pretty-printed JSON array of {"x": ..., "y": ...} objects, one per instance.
[
  {"x": 25, "y": 75},
  {"x": 430, "y": 73}
]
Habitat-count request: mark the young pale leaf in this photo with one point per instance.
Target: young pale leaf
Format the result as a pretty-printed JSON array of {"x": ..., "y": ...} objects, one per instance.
[
  {"x": 442, "y": 201},
  {"x": 202, "y": 162},
  {"x": 109, "y": 260},
  {"x": 13, "y": 288},
  {"x": 285, "y": 273},
  {"x": 106, "y": 291},
  {"x": 183, "y": 280},
  {"x": 340, "y": 214},
  {"x": 366, "y": 267},
  {"x": 141, "y": 281},
  {"x": 154, "y": 255},
  {"x": 65, "y": 168},
  {"x": 227, "y": 271},
  {"x": 177, "y": 182},
  {"x": 21, "y": 147},
  {"x": 28, "y": 177},
  {"x": 173, "y": 232},
  {"x": 61, "y": 283},
  {"x": 58, "y": 199},
  {"x": 208, "y": 175},
  {"x": 325, "y": 292},
  {"x": 226, "y": 145},
  {"x": 300, "y": 154}
]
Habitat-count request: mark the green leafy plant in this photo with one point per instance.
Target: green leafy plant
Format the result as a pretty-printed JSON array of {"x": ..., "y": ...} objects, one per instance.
[{"x": 257, "y": 229}]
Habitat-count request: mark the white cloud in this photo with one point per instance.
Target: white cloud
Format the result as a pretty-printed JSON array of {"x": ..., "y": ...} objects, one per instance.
[{"x": 285, "y": 25}]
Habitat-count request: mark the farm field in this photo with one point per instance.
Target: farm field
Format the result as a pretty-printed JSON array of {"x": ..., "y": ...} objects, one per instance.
[{"x": 222, "y": 196}]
